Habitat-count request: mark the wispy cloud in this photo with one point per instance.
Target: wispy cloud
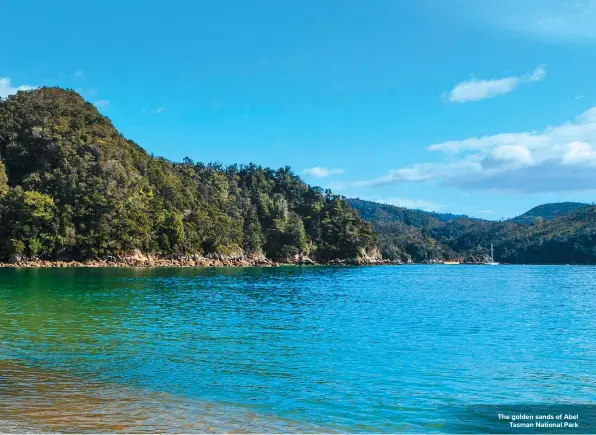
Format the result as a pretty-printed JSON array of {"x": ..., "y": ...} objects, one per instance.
[
  {"x": 555, "y": 20},
  {"x": 100, "y": 104},
  {"x": 568, "y": 20},
  {"x": 419, "y": 204},
  {"x": 155, "y": 112},
  {"x": 79, "y": 73},
  {"x": 476, "y": 89},
  {"x": 336, "y": 185},
  {"x": 416, "y": 173},
  {"x": 559, "y": 158},
  {"x": 6, "y": 88},
  {"x": 538, "y": 74},
  {"x": 321, "y": 172}
]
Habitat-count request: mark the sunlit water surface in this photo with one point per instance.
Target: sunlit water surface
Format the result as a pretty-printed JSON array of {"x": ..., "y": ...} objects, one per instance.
[{"x": 313, "y": 349}]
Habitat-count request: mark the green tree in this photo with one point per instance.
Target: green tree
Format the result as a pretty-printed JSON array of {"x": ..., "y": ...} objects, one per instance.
[
  {"x": 253, "y": 237},
  {"x": 28, "y": 223},
  {"x": 3, "y": 180},
  {"x": 295, "y": 236}
]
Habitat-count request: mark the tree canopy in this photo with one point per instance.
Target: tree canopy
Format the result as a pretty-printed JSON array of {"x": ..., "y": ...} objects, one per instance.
[{"x": 71, "y": 186}]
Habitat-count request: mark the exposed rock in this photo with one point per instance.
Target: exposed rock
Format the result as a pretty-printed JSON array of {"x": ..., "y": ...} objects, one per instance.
[
  {"x": 372, "y": 256},
  {"x": 308, "y": 261},
  {"x": 15, "y": 259},
  {"x": 139, "y": 259}
]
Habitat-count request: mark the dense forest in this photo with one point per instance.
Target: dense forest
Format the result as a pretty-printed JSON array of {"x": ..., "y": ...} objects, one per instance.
[
  {"x": 551, "y": 233},
  {"x": 72, "y": 187}
]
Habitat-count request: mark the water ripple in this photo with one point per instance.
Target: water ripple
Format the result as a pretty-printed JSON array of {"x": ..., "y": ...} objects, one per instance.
[{"x": 354, "y": 349}]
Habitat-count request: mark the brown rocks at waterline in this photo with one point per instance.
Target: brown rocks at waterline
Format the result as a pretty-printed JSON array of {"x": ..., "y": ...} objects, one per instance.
[{"x": 139, "y": 259}]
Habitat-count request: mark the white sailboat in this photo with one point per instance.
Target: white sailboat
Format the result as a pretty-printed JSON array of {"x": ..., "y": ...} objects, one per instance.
[{"x": 492, "y": 261}]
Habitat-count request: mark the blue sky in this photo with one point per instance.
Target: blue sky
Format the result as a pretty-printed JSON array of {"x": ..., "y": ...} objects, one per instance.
[{"x": 482, "y": 107}]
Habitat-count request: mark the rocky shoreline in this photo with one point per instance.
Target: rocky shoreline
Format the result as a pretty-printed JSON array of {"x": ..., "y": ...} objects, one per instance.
[
  {"x": 198, "y": 261},
  {"x": 138, "y": 259}
]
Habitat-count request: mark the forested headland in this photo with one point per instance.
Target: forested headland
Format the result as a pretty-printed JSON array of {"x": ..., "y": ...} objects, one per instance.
[{"x": 73, "y": 188}]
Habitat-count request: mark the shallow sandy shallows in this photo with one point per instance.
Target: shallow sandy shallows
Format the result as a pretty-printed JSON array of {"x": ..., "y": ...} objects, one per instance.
[{"x": 40, "y": 400}]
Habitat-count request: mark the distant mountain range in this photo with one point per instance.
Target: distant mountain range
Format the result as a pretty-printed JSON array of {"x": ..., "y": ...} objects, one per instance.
[{"x": 551, "y": 233}]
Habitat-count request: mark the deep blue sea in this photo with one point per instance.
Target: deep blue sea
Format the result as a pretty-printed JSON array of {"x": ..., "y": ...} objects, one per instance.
[{"x": 291, "y": 349}]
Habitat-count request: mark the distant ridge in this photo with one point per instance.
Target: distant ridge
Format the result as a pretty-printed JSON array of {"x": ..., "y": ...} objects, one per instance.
[
  {"x": 558, "y": 233},
  {"x": 370, "y": 210},
  {"x": 549, "y": 211}
]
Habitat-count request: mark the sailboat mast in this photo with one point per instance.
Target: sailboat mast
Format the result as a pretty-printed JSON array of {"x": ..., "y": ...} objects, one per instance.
[{"x": 492, "y": 256}]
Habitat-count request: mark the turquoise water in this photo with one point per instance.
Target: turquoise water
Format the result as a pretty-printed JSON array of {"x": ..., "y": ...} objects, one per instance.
[{"x": 347, "y": 349}]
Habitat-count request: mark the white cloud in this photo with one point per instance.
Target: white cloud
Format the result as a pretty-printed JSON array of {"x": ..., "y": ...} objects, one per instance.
[
  {"x": 321, "y": 172},
  {"x": 479, "y": 143},
  {"x": 544, "y": 177},
  {"x": 486, "y": 212},
  {"x": 159, "y": 110},
  {"x": 579, "y": 152},
  {"x": 538, "y": 74},
  {"x": 508, "y": 155},
  {"x": 100, "y": 104},
  {"x": 551, "y": 139},
  {"x": 419, "y": 172},
  {"x": 419, "y": 204},
  {"x": 78, "y": 73},
  {"x": 414, "y": 173},
  {"x": 558, "y": 158},
  {"x": 515, "y": 153},
  {"x": 7, "y": 89},
  {"x": 476, "y": 90}
]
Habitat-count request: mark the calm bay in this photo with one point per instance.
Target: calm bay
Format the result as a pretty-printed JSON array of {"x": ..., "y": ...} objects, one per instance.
[{"x": 289, "y": 349}]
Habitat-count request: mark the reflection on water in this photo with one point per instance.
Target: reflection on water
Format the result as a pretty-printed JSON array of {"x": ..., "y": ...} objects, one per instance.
[{"x": 307, "y": 349}]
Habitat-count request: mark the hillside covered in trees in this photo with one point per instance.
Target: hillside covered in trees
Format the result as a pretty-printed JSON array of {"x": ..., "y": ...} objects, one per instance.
[
  {"x": 72, "y": 187},
  {"x": 555, "y": 233},
  {"x": 549, "y": 211}
]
